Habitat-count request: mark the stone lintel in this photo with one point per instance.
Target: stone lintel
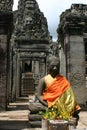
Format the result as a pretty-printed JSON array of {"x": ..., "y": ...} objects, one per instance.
[
  {"x": 73, "y": 21},
  {"x": 73, "y": 25},
  {"x": 32, "y": 41},
  {"x": 23, "y": 57}
]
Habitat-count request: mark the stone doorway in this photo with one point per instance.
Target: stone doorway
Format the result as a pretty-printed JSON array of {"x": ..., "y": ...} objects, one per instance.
[
  {"x": 27, "y": 81},
  {"x": 31, "y": 70}
]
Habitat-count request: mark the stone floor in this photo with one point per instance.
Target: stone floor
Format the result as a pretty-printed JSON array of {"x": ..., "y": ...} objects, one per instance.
[{"x": 16, "y": 117}]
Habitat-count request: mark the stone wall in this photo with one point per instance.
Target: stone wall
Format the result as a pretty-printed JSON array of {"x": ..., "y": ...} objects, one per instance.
[
  {"x": 30, "y": 42},
  {"x": 6, "y": 20},
  {"x": 3, "y": 71}
]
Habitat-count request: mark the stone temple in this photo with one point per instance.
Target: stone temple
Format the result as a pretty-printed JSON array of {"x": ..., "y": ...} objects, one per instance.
[{"x": 26, "y": 44}]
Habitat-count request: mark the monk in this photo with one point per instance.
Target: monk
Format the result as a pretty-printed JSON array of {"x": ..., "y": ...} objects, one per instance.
[{"x": 54, "y": 91}]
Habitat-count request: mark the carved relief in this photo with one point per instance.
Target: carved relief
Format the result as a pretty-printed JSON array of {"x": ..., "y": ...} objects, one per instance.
[
  {"x": 79, "y": 9},
  {"x": 6, "y": 5},
  {"x": 31, "y": 21},
  {"x": 77, "y": 79}
]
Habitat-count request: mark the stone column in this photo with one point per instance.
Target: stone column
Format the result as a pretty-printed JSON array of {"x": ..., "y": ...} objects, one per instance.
[
  {"x": 6, "y": 19},
  {"x": 18, "y": 74},
  {"x": 14, "y": 72}
]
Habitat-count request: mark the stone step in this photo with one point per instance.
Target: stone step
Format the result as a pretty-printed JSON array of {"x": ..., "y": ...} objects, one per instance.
[
  {"x": 34, "y": 117},
  {"x": 14, "y": 125},
  {"x": 14, "y": 115},
  {"x": 35, "y": 124}
]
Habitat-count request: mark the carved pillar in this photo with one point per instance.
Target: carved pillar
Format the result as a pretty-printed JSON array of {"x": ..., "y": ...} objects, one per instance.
[
  {"x": 14, "y": 67},
  {"x": 18, "y": 75},
  {"x": 6, "y": 20}
]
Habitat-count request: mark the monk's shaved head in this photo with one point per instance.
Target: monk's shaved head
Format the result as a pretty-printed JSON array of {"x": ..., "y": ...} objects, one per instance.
[{"x": 53, "y": 65}]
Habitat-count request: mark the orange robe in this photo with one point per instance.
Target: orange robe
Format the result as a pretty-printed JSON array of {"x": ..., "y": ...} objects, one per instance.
[{"x": 59, "y": 92}]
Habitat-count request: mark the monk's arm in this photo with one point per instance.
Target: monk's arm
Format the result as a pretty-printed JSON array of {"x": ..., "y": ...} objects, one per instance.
[{"x": 41, "y": 88}]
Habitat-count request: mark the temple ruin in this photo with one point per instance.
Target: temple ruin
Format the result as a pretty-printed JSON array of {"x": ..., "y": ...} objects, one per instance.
[
  {"x": 26, "y": 44},
  {"x": 30, "y": 46}
]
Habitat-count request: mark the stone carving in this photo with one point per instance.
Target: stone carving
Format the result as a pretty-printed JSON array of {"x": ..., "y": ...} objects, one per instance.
[
  {"x": 6, "y": 5},
  {"x": 79, "y": 9},
  {"x": 54, "y": 50},
  {"x": 73, "y": 20},
  {"x": 31, "y": 23},
  {"x": 77, "y": 79},
  {"x": 76, "y": 10}
]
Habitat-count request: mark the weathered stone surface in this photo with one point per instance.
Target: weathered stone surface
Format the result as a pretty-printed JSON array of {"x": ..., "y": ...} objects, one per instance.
[
  {"x": 5, "y": 34},
  {"x": 30, "y": 23},
  {"x": 35, "y": 124},
  {"x": 73, "y": 20},
  {"x": 29, "y": 43},
  {"x": 6, "y": 5},
  {"x": 35, "y": 117}
]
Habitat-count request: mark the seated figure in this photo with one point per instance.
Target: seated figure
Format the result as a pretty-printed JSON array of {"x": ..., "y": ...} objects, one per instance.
[{"x": 55, "y": 92}]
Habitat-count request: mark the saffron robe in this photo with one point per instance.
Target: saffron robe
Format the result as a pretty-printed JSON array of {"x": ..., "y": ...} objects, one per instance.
[{"x": 59, "y": 92}]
